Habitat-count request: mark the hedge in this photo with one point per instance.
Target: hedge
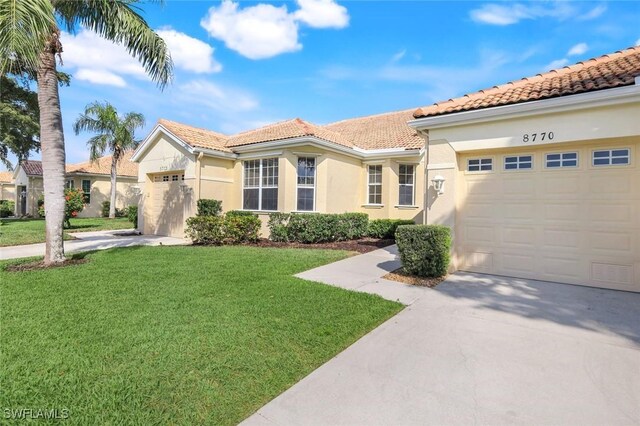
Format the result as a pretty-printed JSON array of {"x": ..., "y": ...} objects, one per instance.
[
  {"x": 105, "y": 210},
  {"x": 228, "y": 229},
  {"x": 317, "y": 228},
  {"x": 241, "y": 213},
  {"x": 424, "y": 249},
  {"x": 132, "y": 215},
  {"x": 386, "y": 228},
  {"x": 6, "y": 208},
  {"x": 209, "y": 207}
]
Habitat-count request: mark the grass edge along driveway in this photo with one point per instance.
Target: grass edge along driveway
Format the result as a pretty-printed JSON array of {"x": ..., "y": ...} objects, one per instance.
[
  {"x": 15, "y": 232},
  {"x": 179, "y": 335}
]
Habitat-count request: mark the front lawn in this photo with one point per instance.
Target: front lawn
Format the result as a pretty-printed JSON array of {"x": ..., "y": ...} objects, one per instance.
[
  {"x": 172, "y": 335},
  {"x": 29, "y": 231}
]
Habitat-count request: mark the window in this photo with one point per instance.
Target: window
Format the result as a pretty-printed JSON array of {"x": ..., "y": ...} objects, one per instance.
[
  {"x": 480, "y": 164},
  {"x": 564, "y": 159},
  {"x": 519, "y": 162},
  {"x": 260, "y": 191},
  {"x": 406, "y": 180},
  {"x": 375, "y": 185},
  {"x": 69, "y": 184},
  {"x": 306, "y": 183},
  {"x": 611, "y": 157},
  {"x": 86, "y": 189},
  {"x": 165, "y": 178},
  {"x": 174, "y": 178}
]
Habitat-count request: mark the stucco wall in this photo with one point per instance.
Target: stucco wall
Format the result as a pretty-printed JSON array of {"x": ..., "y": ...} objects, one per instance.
[
  {"x": 101, "y": 191},
  {"x": 7, "y": 191}
]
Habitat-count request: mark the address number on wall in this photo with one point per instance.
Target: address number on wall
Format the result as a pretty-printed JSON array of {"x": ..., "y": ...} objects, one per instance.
[{"x": 541, "y": 136}]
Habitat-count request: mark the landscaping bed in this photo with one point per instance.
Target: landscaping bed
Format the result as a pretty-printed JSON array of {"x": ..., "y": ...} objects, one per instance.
[
  {"x": 362, "y": 245},
  {"x": 400, "y": 275}
]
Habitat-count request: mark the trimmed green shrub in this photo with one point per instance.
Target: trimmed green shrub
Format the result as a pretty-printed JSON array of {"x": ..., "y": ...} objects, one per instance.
[
  {"x": 241, "y": 213},
  {"x": 7, "y": 208},
  {"x": 386, "y": 228},
  {"x": 205, "y": 229},
  {"x": 424, "y": 249},
  {"x": 241, "y": 229},
  {"x": 132, "y": 215},
  {"x": 317, "y": 228},
  {"x": 106, "y": 205},
  {"x": 209, "y": 207},
  {"x": 73, "y": 204}
]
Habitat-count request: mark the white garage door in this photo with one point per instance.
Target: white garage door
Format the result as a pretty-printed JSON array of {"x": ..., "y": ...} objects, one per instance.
[
  {"x": 570, "y": 215},
  {"x": 167, "y": 201}
]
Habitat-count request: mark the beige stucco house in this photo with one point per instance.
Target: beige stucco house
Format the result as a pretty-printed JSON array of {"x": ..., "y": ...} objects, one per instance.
[
  {"x": 542, "y": 175},
  {"x": 370, "y": 164},
  {"x": 7, "y": 187},
  {"x": 92, "y": 177}
]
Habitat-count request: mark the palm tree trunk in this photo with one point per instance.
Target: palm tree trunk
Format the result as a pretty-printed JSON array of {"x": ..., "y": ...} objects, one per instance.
[
  {"x": 114, "y": 171},
  {"x": 53, "y": 156}
]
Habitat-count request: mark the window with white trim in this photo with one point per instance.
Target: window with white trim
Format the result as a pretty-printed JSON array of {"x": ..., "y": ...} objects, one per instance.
[
  {"x": 374, "y": 183},
  {"x": 480, "y": 164},
  {"x": 406, "y": 181},
  {"x": 69, "y": 184},
  {"x": 611, "y": 157},
  {"x": 260, "y": 184},
  {"x": 518, "y": 162},
  {"x": 561, "y": 159},
  {"x": 86, "y": 190},
  {"x": 306, "y": 186}
]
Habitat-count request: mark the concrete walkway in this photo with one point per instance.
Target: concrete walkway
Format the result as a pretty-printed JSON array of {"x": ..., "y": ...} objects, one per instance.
[
  {"x": 86, "y": 241},
  {"x": 478, "y": 349}
]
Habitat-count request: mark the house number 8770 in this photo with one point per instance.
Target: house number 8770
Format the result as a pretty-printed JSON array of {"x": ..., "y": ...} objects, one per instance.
[{"x": 532, "y": 137}]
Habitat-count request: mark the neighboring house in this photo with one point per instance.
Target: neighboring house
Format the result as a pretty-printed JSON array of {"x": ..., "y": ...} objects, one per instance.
[
  {"x": 7, "y": 187},
  {"x": 93, "y": 178},
  {"x": 542, "y": 175},
  {"x": 370, "y": 164}
]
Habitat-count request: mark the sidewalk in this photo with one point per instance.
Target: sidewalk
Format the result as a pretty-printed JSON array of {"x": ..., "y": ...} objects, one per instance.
[{"x": 86, "y": 241}]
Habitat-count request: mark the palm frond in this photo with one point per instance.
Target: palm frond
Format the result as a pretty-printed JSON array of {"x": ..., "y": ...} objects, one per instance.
[
  {"x": 25, "y": 26},
  {"x": 98, "y": 145}
]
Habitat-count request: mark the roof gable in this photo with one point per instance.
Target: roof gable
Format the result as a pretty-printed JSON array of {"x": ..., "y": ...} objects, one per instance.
[{"x": 102, "y": 166}]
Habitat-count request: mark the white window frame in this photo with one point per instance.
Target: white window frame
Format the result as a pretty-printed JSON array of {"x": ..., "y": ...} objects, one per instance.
[
  {"x": 561, "y": 160},
  {"x": 369, "y": 185},
  {"x": 482, "y": 162},
  {"x": 260, "y": 186},
  {"x": 412, "y": 185},
  {"x": 69, "y": 184},
  {"x": 518, "y": 162},
  {"x": 610, "y": 157},
  {"x": 84, "y": 193},
  {"x": 307, "y": 186}
]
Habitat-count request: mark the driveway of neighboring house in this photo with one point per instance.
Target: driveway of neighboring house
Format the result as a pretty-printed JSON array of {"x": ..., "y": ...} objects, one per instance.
[
  {"x": 86, "y": 241},
  {"x": 478, "y": 349}
]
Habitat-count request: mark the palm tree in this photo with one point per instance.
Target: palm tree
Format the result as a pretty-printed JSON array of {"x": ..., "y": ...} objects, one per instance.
[
  {"x": 30, "y": 40},
  {"x": 114, "y": 134}
]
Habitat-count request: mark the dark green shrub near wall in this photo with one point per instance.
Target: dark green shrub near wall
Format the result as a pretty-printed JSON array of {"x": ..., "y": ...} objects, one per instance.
[
  {"x": 7, "y": 208},
  {"x": 105, "y": 210},
  {"x": 386, "y": 228},
  {"x": 317, "y": 228},
  {"x": 132, "y": 215},
  {"x": 424, "y": 249},
  {"x": 228, "y": 229},
  {"x": 241, "y": 213},
  {"x": 209, "y": 207}
]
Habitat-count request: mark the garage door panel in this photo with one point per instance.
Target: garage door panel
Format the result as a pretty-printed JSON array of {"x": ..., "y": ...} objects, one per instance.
[
  {"x": 521, "y": 211},
  {"x": 477, "y": 260},
  {"x": 523, "y": 187},
  {"x": 521, "y": 263},
  {"x": 479, "y": 235},
  {"x": 518, "y": 236},
  {"x": 571, "y": 269},
  {"x": 477, "y": 186},
  {"x": 562, "y": 238},
  {"x": 609, "y": 183},
  {"x": 479, "y": 211},
  {"x": 611, "y": 273},
  {"x": 562, "y": 211},
  {"x": 561, "y": 185},
  {"x": 608, "y": 213}
]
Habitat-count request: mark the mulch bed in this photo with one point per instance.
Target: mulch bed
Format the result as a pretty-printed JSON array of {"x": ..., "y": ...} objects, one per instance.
[
  {"x": 34, "y": 266},
  {"x": 363, "y": 245},
  {"x": 401, "y": 276}
]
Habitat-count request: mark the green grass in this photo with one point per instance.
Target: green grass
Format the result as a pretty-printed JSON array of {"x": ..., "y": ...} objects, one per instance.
[
  {"x": 172, "y": 335},
  {"x": 29, "y": 231}
]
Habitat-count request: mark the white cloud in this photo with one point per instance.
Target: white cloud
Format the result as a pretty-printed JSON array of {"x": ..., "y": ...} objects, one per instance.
[
  {"x": 217, "y": 97},
  {"x": 594, "y": 13},
  {"x": 189, "y": 53},
  {"x": 508, "y": 14},
  {"x": 322, "y": 14},
  {"x": 558, "y": 63},
  {"x": 263, "y": 31},
  {"x": 257, "y": 32},
  {"x": 100, "y": 77},
  {"x": 578, "y": 49},
  {"x": 638, "y": 42},
  {"x": 401, "y": 54}
]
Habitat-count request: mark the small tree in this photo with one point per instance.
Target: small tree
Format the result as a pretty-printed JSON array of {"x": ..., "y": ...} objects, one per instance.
[{"x": 73, "y": 205}]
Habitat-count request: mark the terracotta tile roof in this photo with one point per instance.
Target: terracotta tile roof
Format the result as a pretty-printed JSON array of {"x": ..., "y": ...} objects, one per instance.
[
  {"x": 6, "y": 177},
  {"x": 196, "y": 136},
  {"x": 389, "y": 130},
  {"x": 606, "y": 72},
  {"x": 287, "y": 130},
  {"x": 32, "y": 167},
  {"x": 102, "y": 166}
]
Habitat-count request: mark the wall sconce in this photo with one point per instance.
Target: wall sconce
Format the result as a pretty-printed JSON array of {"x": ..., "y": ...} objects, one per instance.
[
  {"x": 136, "y": 189},
  {"x": 185, "y": 188},
  {"x": 438, "y": 184}
]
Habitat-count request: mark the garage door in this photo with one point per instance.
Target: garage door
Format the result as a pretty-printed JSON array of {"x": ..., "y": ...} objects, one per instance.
[
  {"x": 167, "y": 203},
  {"x": 569, "y": 215}
]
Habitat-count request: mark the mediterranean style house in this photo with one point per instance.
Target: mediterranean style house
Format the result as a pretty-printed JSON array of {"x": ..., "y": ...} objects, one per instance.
[
  {"x": 94, "y": 178},
  {"x": 538, "y": 178}
]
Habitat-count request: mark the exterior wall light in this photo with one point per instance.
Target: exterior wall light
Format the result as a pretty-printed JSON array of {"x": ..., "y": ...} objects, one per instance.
[
  {"x": 438, "y": 184},
  {"x": 185, "y": 188}
]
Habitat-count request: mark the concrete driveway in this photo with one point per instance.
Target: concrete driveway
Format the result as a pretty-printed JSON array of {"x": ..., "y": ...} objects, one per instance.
[{"x": 482, "y": 349}]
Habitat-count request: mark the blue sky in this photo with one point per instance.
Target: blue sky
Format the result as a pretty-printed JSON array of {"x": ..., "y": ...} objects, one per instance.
[{"x": 240, "y": 65}]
